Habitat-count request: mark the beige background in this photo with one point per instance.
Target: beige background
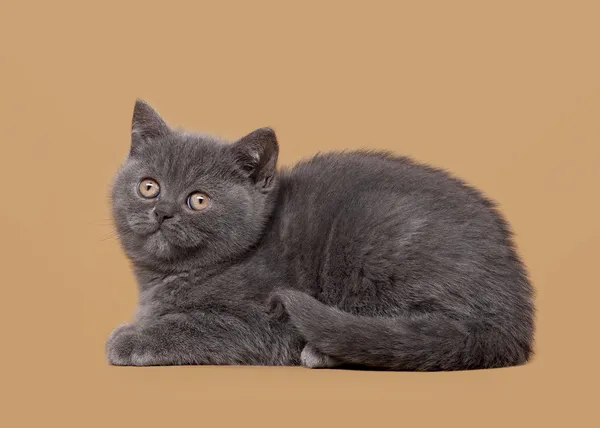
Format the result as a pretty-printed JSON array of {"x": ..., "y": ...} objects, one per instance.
[{"x": 505, "y": 94}]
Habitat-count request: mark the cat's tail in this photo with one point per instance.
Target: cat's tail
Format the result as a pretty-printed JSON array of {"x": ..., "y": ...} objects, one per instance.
[{"x": 425, "y": 342}]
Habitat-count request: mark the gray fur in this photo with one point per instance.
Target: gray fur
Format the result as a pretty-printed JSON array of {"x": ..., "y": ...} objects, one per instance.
[
  {"x": 348, "y": 259},
  {"x": 312, "y": 358}
]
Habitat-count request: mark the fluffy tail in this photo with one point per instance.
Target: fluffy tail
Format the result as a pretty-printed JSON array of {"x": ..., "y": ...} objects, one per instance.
[{"x": 425, "y": 342}]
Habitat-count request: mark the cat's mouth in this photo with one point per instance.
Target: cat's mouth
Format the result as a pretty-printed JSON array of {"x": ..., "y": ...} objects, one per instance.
[
  {"x": 157, "y": 230},
  {"x": 166, "y": 244},
  {"x": 154, "y": 234},
  {"x": 171, "y": 235},
  {"x": 167, "y": 234}
]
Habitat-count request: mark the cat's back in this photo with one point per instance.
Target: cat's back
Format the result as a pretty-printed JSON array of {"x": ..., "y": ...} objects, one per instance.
[
  {"x": 346, "y": 208},
  {"x": 330, "y": 179}
]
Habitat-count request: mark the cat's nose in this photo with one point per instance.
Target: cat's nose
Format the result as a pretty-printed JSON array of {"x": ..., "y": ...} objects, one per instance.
[{"x": 163, "y": 212}]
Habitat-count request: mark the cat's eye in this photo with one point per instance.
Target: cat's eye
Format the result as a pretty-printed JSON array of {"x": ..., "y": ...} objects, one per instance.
[
  {"x": 198, "y": 201},
  {"x": 149, "y": 188}
]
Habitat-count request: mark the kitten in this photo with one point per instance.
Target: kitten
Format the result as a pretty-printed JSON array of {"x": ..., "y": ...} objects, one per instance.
[{"x": 352, "y": 259}]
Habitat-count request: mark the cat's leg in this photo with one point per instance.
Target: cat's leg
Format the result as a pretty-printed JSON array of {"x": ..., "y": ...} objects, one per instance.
[
  {"x": 312, "y": 358},
  {"x": 181, "y": 339},
  {"x": 121, "y": 345}
]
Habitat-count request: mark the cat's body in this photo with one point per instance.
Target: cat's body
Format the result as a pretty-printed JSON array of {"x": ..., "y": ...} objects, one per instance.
[{"x": 357, "y": 258}]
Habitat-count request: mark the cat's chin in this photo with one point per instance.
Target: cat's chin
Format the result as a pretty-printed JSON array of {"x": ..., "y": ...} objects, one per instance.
[{"x": 158, "y": 245}]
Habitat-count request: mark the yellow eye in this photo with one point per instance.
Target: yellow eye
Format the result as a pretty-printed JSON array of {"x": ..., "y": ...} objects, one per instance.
[
  {"x": 149, "y": 188},
  {"x": 198, "y": 201}
]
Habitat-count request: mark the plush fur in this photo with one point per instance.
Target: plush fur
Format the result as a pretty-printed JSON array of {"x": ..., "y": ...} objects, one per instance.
[{"x": 350, "y": 259}]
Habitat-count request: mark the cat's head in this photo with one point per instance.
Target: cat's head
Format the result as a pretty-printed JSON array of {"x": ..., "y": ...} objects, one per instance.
[{"x": 182, "y": 196}]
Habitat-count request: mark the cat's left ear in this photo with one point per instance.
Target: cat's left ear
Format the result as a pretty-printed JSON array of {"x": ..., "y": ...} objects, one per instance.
[
  {"x": 146, "y": 124},
  {"x": 256, "y": 154}
]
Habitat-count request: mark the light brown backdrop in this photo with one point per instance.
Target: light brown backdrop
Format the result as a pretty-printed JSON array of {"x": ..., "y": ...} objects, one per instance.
[{"x": 505, "y": 94}]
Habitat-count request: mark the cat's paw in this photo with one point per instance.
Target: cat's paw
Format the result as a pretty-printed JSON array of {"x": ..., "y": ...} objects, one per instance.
[
  {"x": 315, "y": 359},
  {"x": 128, "y": 345},
  {"x": 121, "y": 345}
]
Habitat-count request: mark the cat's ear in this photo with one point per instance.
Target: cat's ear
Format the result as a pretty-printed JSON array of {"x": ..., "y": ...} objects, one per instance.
[
  {"x": 146, "y": 124},
  {"x": 256, "y": 154}
]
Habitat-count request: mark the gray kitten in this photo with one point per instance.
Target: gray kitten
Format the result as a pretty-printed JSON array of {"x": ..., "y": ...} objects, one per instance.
[{"x": 354, "y": 259}]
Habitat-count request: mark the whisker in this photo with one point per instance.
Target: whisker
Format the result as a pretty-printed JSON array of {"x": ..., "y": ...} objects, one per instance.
[{"x": 108, "y": 236}]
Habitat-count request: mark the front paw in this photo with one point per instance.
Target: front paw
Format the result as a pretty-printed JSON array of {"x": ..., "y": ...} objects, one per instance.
[{"x": 121, "y": 345}]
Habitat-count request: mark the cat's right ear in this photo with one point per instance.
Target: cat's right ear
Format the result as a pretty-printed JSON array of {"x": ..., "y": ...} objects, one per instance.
[{"x": 146, "y": 124}]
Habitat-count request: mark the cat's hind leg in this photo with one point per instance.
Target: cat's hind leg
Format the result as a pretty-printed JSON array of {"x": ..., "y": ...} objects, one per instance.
[{"x": 312, "y": 358}]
